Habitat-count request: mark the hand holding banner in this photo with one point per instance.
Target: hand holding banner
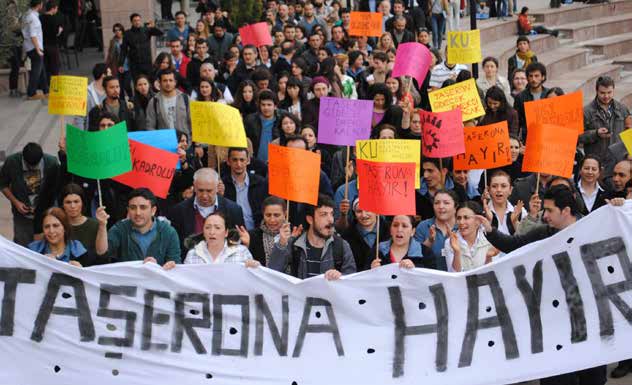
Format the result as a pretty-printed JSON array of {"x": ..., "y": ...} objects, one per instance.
[
  {"x": 100, "y": 154},
  {"x": 442, "y": 133},
  {"x": 387, "y": 188},
  {"x": 392, "y": 150},
  {"x": 151, "y": 167},
  {"x": 256, "y": 34},
  {"x": 412, "y": 59},
  {"x": 68, "y": 95},
  {"x": 550, "y": 149},
  {"x": 294, "y": 174},
  {"x": 464, "y": 47},
  {"x": 485, "y": 147},
  {"x": 463, "y": 95},
  {"x": 565, "y": 110},
  {"x": 365, "y": 24},
  {"x": 218, "y": 124},
  {"x": 343, "y": 121}
]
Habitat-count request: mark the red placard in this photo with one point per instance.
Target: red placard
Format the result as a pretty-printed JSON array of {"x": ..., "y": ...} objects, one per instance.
[
  {"x": 152, "y": 168},
  {"x": 387, "y": 188},
  {"x": 256, "y": 34}
]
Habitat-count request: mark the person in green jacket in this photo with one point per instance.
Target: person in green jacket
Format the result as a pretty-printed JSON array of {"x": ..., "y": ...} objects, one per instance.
[{"x": 141, "y": 237}]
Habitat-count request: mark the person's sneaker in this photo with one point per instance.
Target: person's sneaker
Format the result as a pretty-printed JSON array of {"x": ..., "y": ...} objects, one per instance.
[
  {"x": 556, "y": 33},
  {"x": 622, "y": 369},
  {"x": 36, "y": 97}
]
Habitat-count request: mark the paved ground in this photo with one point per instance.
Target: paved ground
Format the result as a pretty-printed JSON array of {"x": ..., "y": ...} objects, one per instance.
[{"x": 26, "y": 121}]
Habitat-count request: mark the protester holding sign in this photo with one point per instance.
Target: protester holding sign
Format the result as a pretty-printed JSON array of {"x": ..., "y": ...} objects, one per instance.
[
  {"x": 87, "y": 230},
  {"x": 217, "y": 246},
  {"x": 497, "y": 109},
  {"x": 317, "y": 251},
  {"x": 402, "y": 248},
  {"x": 536, "y": 76},
  {"x": 362, "y": 232},
  {"x": 141, "y": 236}
]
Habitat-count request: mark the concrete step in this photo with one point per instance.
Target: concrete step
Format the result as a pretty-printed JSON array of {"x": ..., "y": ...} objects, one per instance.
[
  {"x": 492, "y": 29},
  {"x": 503, "y": 49},
  {"x": 595, "y": 28},
  {"x": 612, "y": 46},
  {"x": 578, "y": 12},
  {"x": 584, "y": 79},
  {"x": 623, "y": 93},
  {"x": 563, "y": 60},
  {"x": 625, "y": 61}
]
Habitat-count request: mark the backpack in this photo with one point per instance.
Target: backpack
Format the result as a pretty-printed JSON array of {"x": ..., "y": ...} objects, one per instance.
[{"x": 337, "y": 250}]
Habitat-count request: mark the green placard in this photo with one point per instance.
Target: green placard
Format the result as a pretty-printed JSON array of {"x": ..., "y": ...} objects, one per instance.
[{"x": 99, "y": 154}]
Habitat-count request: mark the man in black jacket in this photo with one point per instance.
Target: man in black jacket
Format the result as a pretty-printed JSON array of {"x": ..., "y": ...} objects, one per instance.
[
  {"x": 264, "y": 126},
  {"x": 188, "y": 216},
  {"x": 136, "y": 47},
  {"x": 536, "y": 76},
  {"x": 113, "y": 104},
  {"x": 560, "y": 212},
  {"x": 248, "y": 190}
]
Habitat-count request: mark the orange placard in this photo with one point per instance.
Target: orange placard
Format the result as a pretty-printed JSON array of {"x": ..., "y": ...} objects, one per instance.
[
  {"x": 485, "y": 147},
  {"x": 293, "y": 174},
  {"x": 550, "y": 149},
  {"x": 565, "y": 111},
  {"x": 365, "y": 24}
]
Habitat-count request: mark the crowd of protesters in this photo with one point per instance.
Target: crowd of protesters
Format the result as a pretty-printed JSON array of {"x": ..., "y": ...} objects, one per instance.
[{"x": 463, "y": 220}]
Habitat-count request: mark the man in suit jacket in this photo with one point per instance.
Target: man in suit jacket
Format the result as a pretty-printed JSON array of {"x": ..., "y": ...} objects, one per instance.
[
  {"x": 188, "y": 216},
  {"x": 247, "y": 189}
]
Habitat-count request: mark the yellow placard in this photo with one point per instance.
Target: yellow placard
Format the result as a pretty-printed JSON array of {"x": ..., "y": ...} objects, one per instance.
[
  {"x": 68, "y": 95},
  {"x": 463, "y": 95},
  {"x": 464, "y": 47},
  {"x": 392, "y": 150},
  {"x": 626, "y": 137},
  {"x": 218, "y": 124}
]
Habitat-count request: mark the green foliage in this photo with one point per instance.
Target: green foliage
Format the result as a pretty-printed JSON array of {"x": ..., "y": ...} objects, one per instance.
[{"x": 243, "y": 11}]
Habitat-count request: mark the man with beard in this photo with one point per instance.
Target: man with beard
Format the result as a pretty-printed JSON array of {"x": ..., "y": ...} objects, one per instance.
[
  {"x": 317, "y": 251},
  {"x": 536, "y": 76},
  {"x": 113, "y": 104},
  {"x": 136, "y": 47}
]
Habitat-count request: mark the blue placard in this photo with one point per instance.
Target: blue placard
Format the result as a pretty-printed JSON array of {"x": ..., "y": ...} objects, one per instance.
[{"x": 163, "y": 139}]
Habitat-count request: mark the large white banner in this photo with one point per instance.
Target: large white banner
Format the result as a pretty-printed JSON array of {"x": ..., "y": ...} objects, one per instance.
[{"x": 555, "y": 306}]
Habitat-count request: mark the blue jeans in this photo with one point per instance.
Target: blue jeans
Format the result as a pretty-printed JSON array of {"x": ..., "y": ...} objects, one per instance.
[
  {"x": 501, "y": 8},
  {"x": 37, "y": 77},
  {"x": 438, "y": 26}
]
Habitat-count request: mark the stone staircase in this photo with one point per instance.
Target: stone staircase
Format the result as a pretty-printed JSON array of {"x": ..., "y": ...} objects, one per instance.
[{"x": 595, "y": 40}]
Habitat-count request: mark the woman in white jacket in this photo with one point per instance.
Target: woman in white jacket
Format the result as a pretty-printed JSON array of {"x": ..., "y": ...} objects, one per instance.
[
  {"x": 216, "y": 247},
  {"x": 467, "y": 248}
]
